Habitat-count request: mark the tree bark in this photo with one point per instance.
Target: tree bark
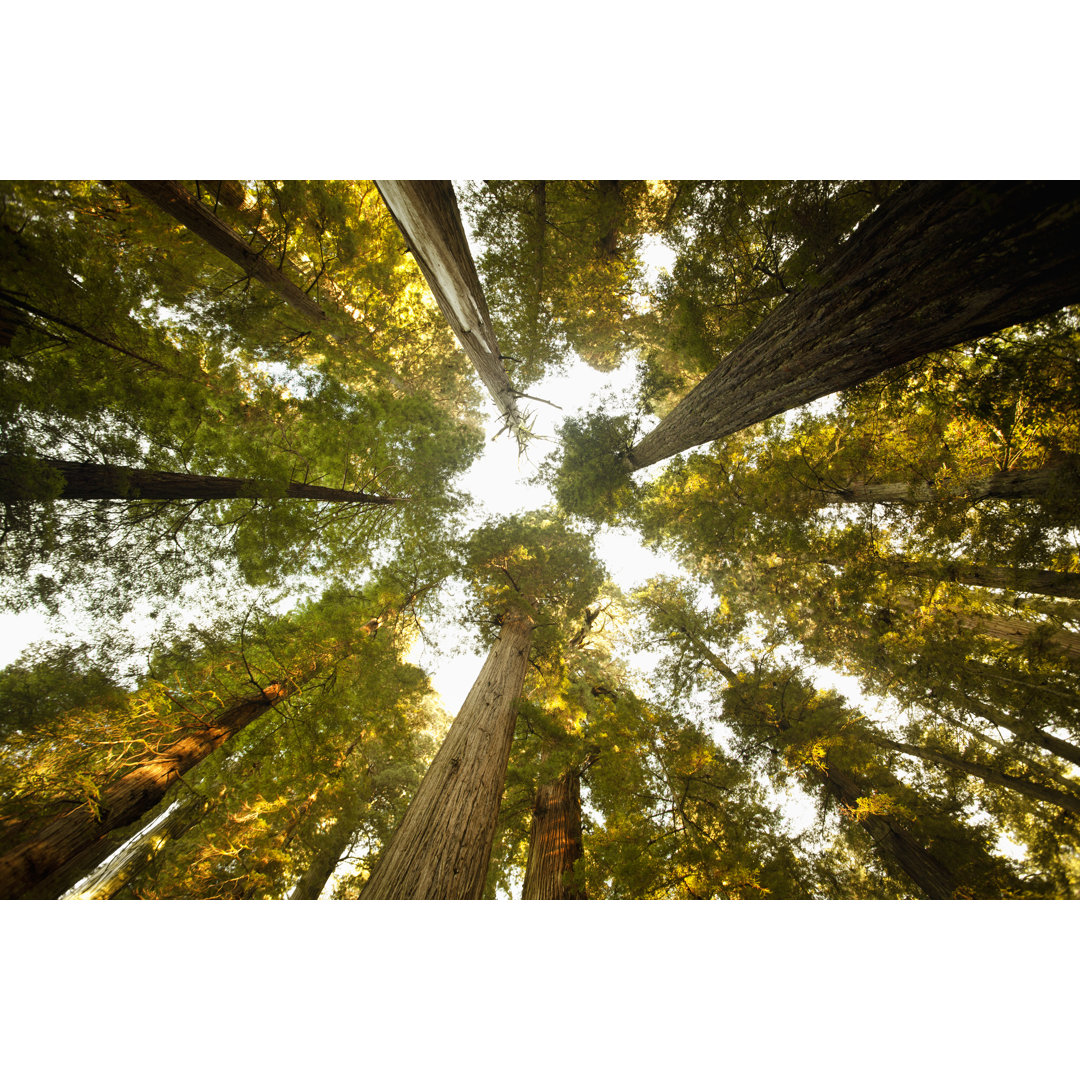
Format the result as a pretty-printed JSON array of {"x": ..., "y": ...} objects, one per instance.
[
  {"x": 555, "y": 843},
  {"x": 171, "y": 197},
  {"x": 983, "y": 772},
  {"x": 426, "y": 212},
  {"x": 229, "y": 193},
  {"x": 89, "y": 480},
  {"x": 1006, "y": 628},
  {"x": 937, "y": 264},
  {"x": 440, "y": 851},
  {"x": 1018, "y": 579},
  {"x": 931, "y": 876},
  {"x": 67, "y": 834},
  {"x": 1008, "y": 484},
  {"x": 889, "y": 837},
  {"x": 113, "y": 875},
  {"x": 325, "y": 861}
]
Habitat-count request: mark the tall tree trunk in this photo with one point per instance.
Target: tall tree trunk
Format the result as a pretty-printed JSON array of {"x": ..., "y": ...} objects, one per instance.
[
  {"x": 440, "y": 851},
  {"x": 175, "y": 200},
  {"x": 555, "y": 843},
  {"x": 67, "y": 834},
  {"x": 426, "y": 212},
  {"x": 888, "y": 835},
  {"x": 1008, "y": 484},
  {"x": 937, "y": 264},
  {"x": 1023, "y": 729},
  {"x": 890, "y": 838},
  {"x": 983, "y": 772},
  {"x": 89, "y": 480},
  {"x": 229, "y": 193},
  {"x": 332, "y": 848},
  {"x": 113, "y": 875},
  {"x": 1019, "y": 579},
  {"x": 1006, "y": 628}
]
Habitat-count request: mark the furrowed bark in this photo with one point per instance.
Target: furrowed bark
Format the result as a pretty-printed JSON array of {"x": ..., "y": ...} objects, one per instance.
[
  {"x": 426, "y": 212},
  {"x": 175, "y": 200},
  {"x": 937, "y": 264},
  {"x": 440, "y": 851},
  {"x": 89, "y": 480},
  {"x": 1008, "y": 484},
  {"x": 890, "y": 838},
  {"x": 984, "y": 772},
  {"x": 67, "y": 834},
  {"x": 555, "y": 843}
]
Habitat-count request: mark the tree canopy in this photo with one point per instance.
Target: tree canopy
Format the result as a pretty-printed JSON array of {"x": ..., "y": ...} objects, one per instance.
[{"x": 239, "y": 424}]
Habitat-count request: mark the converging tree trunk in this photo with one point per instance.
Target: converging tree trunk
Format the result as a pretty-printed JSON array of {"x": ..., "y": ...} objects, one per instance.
[
  {"x": 983, "y": 772},
  {"x": 426, "y": 212},
  {"x": 937, "y": 264},
  {"x": 65, "y": 835},
  {"x": 440, "y": 851},
  {"x": 890, "y": 838},
  {"x": 555, "y": 843},
  {"x": 89, "y": 480},
  {"x": 1008, "y": 484},
  {"x": 175, "y": 200},
  {"x": 1019, "y": 579}
]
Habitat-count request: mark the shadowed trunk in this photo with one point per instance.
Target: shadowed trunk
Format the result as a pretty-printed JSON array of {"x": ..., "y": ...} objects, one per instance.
[
  {"x": 110, "y": 878},
  {"x": 67, "y": 834},
  {"x": 1018, "y": 579},
  {"x": 890, "y": 838},
  {"x": 89, "y": 480},
  {"x": 440, "y": 851},
  {"x": 426, "y": 212},
  {"x": 983, "y": 772},
  {"x": 175, "y": 200},
  {"x": 555, "y": 843},
  {"x": 1009, "y": 484},
  {"x": 937, "y": 264},
  {"x": 330, "y": 852},
  {"x": 931, "y": 876},
  {"x": 229, "y": 193}
]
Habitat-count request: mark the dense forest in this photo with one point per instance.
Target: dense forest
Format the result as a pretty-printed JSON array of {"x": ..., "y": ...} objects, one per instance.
[{"x": 237, "y": 420}]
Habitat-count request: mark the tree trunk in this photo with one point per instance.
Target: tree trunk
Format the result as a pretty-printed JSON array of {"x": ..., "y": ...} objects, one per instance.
[
  {"x": 984, "y": 772},
  {"x": 889, "y": 837},
  {"x": 440, "y": 851},
  {"x": 931, "y": 876},
  {"x": 89, "y": 480},
  {"x": 555, "y": 843},
  {"x": 426, "y": 212},
  {"x": 1024, "y": 730},
  {"x": 171, "y": 197},
  {"x": 112, "y": 876},
  {"x": 1008, "y": 484},
  {"x": 1007, "y": 629},
  {"x": 937, "y": 264},
  {"x": 1018, "y": 579},
  {"x": 229, "y": 193},
  {"x": 67, "y": 834},
  {"x": 330, "y": 852}
]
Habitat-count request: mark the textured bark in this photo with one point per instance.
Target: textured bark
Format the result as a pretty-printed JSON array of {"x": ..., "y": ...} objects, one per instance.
[
  {"x": 112, "y": 876},
  {"x": 555, "y": 843},
  {"x": 1006, "y": 628},
  {"x": 890, "y": 838},
  {"x": 1044, "y": 582},
  {"x": 426, "y": 212},
  {"x": 89, "y": 480},
  {"x": 888, "y": 835},
  {"x": 1008, "y": 484},
  {"x": 1026, "y": 731},
  {"x": 937, "y": 264},
  {"x": 67, "y": 834},
  {"x": 984, "y": 772},
  {"x": 440, "y": 851},
  {"x": 324, "y": 862},
  {"x": 229, "y": 193},
  {"x": 172, "y": 197}
]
